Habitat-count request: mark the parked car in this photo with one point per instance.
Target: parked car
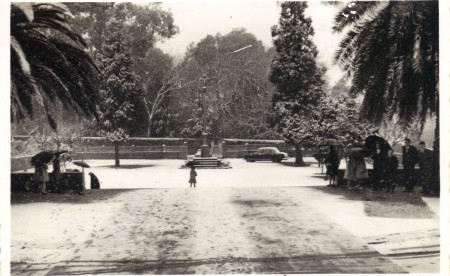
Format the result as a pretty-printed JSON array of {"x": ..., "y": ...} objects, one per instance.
[{"x": 266, "y": 154}]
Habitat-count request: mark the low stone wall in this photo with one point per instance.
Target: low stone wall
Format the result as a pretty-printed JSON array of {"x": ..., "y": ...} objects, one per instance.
[
  {"x": 23, "y": 182},
  {"x": 133, "y": 152}
]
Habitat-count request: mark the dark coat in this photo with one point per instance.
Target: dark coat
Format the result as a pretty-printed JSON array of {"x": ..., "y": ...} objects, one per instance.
[
  {"x": 56, "y": 165},
  {"x": 390, "y": 167},
  {"x": 332, "y": 162},
  {"x": 424, "y": 159},
  {"x": 95, "y": 183},
  {"x": 193, "y": 175},
  {"x": 40, "y": 173},
  {"x": 410, "y": 157},
  {"x": 378, "y": 161}
]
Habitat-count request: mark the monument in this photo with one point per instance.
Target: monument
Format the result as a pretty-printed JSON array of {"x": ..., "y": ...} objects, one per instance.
[{"x": 206, "y": 160}]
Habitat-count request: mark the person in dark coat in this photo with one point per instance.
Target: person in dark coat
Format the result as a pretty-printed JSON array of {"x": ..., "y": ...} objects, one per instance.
[
  {"x": 332, "y": 163},
  {"x": 409, "y": 162},
  {"x": 193, "y": 176},
  {"x": 95, "y": 184},
  {"x": 379, "y": 157},
  {"x": 56, "y": 174},
  {"x": 424, "y": 159},
  {"x": 41, "y": 177},
  {"x": 390, "y": 171}
]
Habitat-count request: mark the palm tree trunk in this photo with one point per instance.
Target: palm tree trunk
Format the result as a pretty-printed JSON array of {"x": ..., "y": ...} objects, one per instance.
[
  {"x": 116, "y": 155},
  {"x": 299, "y": 155}
]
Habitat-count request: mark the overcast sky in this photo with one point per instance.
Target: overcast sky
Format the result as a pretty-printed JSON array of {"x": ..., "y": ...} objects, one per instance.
[{"x": 196, "y": 20}]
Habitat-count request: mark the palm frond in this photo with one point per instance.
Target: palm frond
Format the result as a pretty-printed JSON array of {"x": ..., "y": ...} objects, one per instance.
[
  {"x": 70, "y": 75},
  {"x": 22, "y": 60},
  {"x": 353, "y": 12},
  {"x": 24, "y": 8}
]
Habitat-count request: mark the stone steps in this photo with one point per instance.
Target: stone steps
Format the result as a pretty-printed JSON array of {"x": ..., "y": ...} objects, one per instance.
[{"x": 208, "y": 162}]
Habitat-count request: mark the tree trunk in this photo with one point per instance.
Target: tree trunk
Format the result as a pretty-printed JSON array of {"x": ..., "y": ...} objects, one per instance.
[
  {"x": 151, "y": 115},
  {"x": 116, "y": 155},
  {"x": 299, "y": 156}
]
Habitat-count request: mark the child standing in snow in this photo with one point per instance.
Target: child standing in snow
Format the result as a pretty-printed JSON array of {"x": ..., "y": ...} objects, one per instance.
[{"x": 192, "y": 179}]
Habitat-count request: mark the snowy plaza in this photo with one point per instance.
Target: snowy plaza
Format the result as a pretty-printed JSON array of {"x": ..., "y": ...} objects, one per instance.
[
  {"x": 254, "y": 218},
  {"x": 225, "y": 137}
]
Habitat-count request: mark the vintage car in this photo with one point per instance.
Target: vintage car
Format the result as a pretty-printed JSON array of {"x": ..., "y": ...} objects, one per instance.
[{"x": 266, "y": 154}]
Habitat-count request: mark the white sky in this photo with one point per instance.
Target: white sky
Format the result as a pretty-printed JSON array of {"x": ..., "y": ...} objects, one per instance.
[{"x": 198, "y": 19}]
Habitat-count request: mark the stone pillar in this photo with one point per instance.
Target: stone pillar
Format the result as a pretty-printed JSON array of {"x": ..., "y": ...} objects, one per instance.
[
  {"x": 224, "y": 149},
  {"x": 204, "y": 147},
  {"x": 185, "y": 151}
]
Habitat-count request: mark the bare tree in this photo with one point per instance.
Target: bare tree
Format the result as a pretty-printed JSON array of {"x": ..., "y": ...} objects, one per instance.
[{"x": 172, "y": 83}]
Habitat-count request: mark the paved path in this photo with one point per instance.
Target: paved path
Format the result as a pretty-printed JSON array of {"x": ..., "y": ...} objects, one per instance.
[{"x": 211, "y": 230}]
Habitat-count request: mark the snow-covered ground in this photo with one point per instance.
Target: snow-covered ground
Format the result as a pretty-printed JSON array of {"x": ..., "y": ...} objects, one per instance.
[
  {"x": 229, "y": 214},
  {"x": 167, "y": 174}
]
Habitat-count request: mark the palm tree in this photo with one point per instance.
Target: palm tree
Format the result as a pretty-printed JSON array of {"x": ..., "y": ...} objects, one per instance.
[
  {"x": 49, "y": 62},
  {"x": 391, "y": 53}
]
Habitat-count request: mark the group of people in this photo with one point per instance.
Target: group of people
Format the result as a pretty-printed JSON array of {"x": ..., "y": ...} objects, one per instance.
[
  {"x": 41, "y": 177},
  {"x": 424, "y": 158},
  {"x": 385, "y": 165}
]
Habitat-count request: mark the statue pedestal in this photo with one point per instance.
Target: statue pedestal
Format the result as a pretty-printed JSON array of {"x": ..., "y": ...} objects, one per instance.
[
  {"x": 205, "y": 148},
  {"x": 204, "y": 151}
]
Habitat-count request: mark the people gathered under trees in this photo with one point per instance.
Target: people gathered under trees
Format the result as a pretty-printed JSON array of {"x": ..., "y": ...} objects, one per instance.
[{"x": 385, "y": 175}]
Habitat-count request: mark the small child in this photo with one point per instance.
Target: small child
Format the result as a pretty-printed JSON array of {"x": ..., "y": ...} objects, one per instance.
[{"x": 192, "y": 179}]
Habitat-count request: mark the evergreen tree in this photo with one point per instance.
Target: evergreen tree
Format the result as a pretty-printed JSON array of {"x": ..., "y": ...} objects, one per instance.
[
  {"x": 119, "y": 89},
  {"x": 297, "y": 77}
]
